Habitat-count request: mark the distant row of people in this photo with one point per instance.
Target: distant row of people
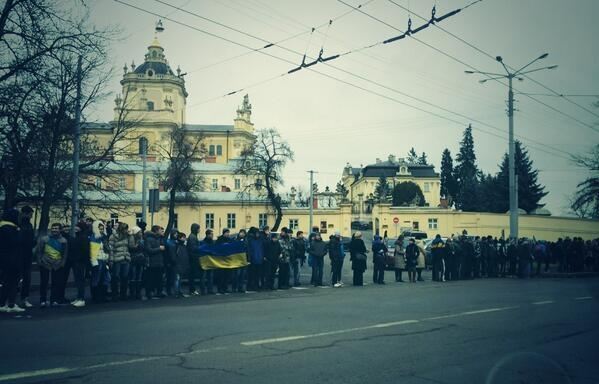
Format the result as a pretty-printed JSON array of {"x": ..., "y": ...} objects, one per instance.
[{"x": 135, "y": 264}]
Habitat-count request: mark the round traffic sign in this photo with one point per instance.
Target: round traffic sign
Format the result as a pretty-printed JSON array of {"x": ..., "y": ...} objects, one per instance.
[{"x": 395, "y": 220}]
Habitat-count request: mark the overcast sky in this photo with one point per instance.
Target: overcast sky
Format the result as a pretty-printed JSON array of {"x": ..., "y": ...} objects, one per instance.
[{"x": 328, "y": 122}]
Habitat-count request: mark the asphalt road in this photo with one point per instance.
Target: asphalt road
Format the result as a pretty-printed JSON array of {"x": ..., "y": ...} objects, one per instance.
[{"x": 478, "y": 331}]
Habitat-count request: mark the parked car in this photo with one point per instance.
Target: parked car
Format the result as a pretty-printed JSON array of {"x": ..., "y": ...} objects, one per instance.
[
  {"x": 390, "y": 257},
  {"x": 361, "y": 225},
  {"x": 418, "y": 235}
]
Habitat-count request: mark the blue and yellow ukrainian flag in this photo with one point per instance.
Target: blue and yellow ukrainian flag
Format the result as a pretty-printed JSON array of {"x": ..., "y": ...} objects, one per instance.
[{"x": 223, "y": 256}]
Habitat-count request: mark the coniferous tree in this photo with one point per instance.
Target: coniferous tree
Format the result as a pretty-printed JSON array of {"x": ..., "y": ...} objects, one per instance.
[
  {"x": 422, "y": 160},
  {"x": 412, "y": 156},
  {"x": 448, "y": 183},
  {"x": 488, "y": 194},
  {"x": 408, "y": 193},
  {"x": 382, "y": 190},
  {"x": 342, "y": 190},
  {"x": 530, "y": 192},
  {"x": 467, "y": 174}
]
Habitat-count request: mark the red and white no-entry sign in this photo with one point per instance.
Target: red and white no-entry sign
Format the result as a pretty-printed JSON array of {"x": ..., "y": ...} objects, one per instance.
[{"x": 395, "y": 220}]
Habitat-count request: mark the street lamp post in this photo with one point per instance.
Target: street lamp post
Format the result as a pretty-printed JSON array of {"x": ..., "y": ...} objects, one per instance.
[
  {"x": 510, "y": 76},
  {"x": 143, "y": 152}
]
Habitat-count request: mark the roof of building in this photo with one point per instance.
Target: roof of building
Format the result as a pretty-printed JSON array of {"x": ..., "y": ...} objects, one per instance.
[
  {"x": 389, "y": 169},
  {"x": 158, "y": 68},
  {"x": 214, "y": 197},
  {"x": 95, "y": 126},
  {"x": 209, "y": 127}
]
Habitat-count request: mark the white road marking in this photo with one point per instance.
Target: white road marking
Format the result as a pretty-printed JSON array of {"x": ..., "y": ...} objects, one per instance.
[
  {"x": 56, "y": 371},
  {"x": 469, "y": 313},
  {"x": 41, "y": 372},
  {"x": 299, "y": 288},
  {"x": 60, "y": 370},
  {"x": 543, "y": 302}
]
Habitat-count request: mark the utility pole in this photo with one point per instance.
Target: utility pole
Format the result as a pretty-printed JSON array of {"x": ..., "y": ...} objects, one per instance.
[
  {"x": 510, "y": 76},
  {"x": 76, "y": 150},
  {"x": 311, "y": 199},
  {"x": 143, "y": 152}
]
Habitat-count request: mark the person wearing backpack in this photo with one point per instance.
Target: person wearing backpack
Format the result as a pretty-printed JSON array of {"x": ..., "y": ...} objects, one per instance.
[{"x": 379, "y": 252}]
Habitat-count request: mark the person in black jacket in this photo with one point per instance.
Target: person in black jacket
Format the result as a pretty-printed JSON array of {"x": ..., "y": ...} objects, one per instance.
[
  {"x": 10, "y": 260},
  {"x": 379, "y": 252},
  {"x": 272, "y": 253},
  {"x": 298, "y": 257},
  {"x": 27, "y": 237},
  {"x": 357, "y": 251},
  {"x": 79, "y": 256},
  {"x": 193, "y": 251},
  {"x": 154, "y": 249}
]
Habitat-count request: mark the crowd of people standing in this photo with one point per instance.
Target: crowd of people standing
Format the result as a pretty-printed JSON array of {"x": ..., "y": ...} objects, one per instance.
[{"x": 123, "y": 263}]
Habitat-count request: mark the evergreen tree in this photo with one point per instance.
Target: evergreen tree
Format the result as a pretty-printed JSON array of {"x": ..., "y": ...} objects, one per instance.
[
  {"x": 530, "y": 192},
  {"x": 488, "y": 194},
  {"x": 448, "y": 183},
  {"x": 467, "y": 174},
  {"x": 408, "y": 193},
  {"x": 342, "y": 190},
  {"x": 422, "y": 160},
  {"x": 412, "y": 156},
  {"x": 382, "y": 190}
]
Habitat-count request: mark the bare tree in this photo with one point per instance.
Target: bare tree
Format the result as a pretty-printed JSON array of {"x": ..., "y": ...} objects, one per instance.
[
  {"x": 181, "y": 149},
  {"x": 263, "y": 164},
  {"x": 31, "y": 30},
  {"x": 586, "y": 198}
]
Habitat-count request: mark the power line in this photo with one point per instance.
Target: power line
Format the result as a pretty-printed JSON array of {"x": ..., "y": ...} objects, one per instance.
[
  {"x": 339, "y": 80},
  {"x": 559, "y": 95},
  {"x": 554, "y": 93},
  {"x": 344, "y": 71},
  {"x": 268, "y": 45}
]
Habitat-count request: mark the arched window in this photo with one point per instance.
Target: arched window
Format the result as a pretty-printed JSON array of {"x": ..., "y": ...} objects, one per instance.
[{"x": 150, "y": 105}]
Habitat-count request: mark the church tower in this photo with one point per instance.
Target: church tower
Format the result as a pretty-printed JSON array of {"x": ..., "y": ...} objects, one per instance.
[{"x": 152, "y": 93}]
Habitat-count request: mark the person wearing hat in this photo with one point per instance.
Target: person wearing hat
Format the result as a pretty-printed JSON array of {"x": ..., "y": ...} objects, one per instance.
[
  {"x": 10, "y": 261},
  {"x": 139, "y": 263},
  {"x": 379, "y": 252},
  {"x": 336, "y": 256},
  {"x": 357, "y": 251},
  {"x": 272, "y": 253}
]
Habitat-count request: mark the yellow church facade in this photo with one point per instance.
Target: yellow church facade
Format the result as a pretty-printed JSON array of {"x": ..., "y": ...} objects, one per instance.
[{"x": 151, "y": 104}]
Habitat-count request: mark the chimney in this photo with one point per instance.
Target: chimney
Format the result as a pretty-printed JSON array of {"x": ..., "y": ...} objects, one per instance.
[
  {"x": 378, "y": 161},
  {"x": 392, "y": 159}
]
